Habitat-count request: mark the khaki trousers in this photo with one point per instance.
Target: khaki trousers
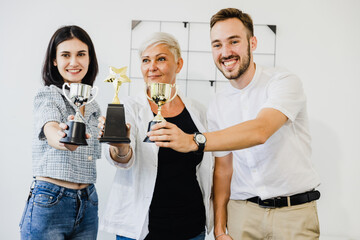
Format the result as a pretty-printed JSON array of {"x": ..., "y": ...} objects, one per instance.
[{"x": 249, "y": 221}]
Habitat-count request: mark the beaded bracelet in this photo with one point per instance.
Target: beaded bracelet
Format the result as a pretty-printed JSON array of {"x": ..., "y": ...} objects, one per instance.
[
  {"x": 123, "y": 156},
  {"x": 219, "y": 235}
]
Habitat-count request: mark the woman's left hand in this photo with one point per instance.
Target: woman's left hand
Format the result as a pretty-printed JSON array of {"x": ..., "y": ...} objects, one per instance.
[{"x": 168, "y": 135}]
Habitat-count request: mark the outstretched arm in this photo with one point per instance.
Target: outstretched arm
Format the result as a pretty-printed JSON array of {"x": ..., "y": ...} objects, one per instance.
[{"x": 243, "y": 135}]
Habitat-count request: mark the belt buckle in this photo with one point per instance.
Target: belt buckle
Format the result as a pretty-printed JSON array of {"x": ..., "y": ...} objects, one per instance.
[{"x": 267, "y": 203}]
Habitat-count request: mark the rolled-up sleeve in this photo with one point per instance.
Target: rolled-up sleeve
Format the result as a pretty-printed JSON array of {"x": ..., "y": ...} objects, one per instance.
[{"x": 106, "y": 151}]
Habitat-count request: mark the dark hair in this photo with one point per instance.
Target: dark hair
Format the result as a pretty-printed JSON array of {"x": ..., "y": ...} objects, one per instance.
[
  {"x": 228, "y": 13},
  {"x": 50, "y": 73}
]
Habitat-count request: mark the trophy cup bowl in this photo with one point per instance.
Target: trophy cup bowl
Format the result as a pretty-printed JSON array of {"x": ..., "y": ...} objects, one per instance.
[
  {"x": 159, "y": 93},
  {"x": 79, "y": 95}
]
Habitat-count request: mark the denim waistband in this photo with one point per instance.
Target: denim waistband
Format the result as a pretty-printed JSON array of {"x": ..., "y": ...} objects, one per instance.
[{"x": 37, "y": 185}]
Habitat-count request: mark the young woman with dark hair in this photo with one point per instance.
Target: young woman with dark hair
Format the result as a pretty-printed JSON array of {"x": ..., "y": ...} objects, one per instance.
[{"x": 63, "y": 203}]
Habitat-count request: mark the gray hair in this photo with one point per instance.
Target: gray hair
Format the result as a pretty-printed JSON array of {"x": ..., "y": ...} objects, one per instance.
[{"x": 162, "y": 38}]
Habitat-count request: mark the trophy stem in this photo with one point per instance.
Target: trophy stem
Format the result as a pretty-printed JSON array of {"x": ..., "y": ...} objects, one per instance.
[
  {"x": 77, "y": 117},
  {"x": 159, "y": 117},
  {"x": 115, "y": 100},
  {"x": 159, "y": 111}
]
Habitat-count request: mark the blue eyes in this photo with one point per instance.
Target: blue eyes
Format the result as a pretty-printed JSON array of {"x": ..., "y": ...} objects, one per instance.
[{"x": 160, "y": 59}]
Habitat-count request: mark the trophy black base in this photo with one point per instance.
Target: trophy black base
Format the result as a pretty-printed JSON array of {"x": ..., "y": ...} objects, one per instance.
[
  {"x": 75, "y": 134},
  {"x": 152, "y": 123},
  {"x": 115, "y": 127},
  {"x": 114, "y": 140}
]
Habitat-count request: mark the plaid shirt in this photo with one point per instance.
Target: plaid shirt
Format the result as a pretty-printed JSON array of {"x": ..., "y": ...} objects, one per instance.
[{"x": 77, "y": 166}]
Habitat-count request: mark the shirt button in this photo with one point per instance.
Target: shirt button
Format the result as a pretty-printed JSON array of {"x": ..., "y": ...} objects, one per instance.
[{"x": 89, "y": 157}]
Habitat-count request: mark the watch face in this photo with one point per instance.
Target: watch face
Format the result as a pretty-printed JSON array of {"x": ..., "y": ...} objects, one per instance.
[{"x": 200, "y": 138}]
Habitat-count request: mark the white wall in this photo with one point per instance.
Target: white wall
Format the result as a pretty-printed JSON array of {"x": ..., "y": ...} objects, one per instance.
[{"x": 318, "y": 40}]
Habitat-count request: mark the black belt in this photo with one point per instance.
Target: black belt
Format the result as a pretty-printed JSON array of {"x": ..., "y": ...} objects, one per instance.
[{"x": 279, "y": 202}]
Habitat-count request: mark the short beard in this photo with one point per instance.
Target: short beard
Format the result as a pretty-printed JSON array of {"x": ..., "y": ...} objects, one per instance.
[{"x": 243, "y": 66}]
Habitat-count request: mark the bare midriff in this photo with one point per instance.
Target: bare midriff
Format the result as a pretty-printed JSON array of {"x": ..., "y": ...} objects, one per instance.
[{"x": 63, "y": 183}]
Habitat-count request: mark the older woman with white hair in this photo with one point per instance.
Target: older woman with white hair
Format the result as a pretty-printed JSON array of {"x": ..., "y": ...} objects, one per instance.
[{"x": 159, "y": 193}]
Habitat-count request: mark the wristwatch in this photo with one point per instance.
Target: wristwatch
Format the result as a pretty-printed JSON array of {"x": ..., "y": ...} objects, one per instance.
[{"x": 200, "y": 140}]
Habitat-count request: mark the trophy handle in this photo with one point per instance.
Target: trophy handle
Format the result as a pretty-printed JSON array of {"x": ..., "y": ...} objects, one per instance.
[
  {"x": 176, "y": 89},
  {"x": 146, "y": 85},
  {"x": 63, "y": 89},
  {"x": 97, "y": 90}
]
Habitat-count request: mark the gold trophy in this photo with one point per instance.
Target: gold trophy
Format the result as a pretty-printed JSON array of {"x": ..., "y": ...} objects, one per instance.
[
  {"x": 79, "y": 95},
  {"x": 115, "y": 126},
  {"x": 160, "y": 93}
]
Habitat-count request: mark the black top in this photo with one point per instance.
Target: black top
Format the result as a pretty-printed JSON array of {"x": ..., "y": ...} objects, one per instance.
[{"x": 177, "y": 210}]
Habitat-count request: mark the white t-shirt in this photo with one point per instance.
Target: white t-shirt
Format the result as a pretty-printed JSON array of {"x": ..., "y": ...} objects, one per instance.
[{"x": 282, "y": 165}]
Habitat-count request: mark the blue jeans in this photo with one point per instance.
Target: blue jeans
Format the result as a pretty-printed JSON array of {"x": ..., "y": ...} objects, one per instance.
[
  {"x": 58, "y": 213},
  {"x": 201, "y": 236}
]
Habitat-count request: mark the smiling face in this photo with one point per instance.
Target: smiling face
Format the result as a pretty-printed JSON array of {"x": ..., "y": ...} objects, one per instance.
[
  {"x": 72, "y": 60},
  {"x": 231, "y": 48},
  {"x": 158, "y": 64}
]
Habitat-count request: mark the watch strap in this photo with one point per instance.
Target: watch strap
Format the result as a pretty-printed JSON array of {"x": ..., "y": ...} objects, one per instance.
[{"x": 201, "y": 146}]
